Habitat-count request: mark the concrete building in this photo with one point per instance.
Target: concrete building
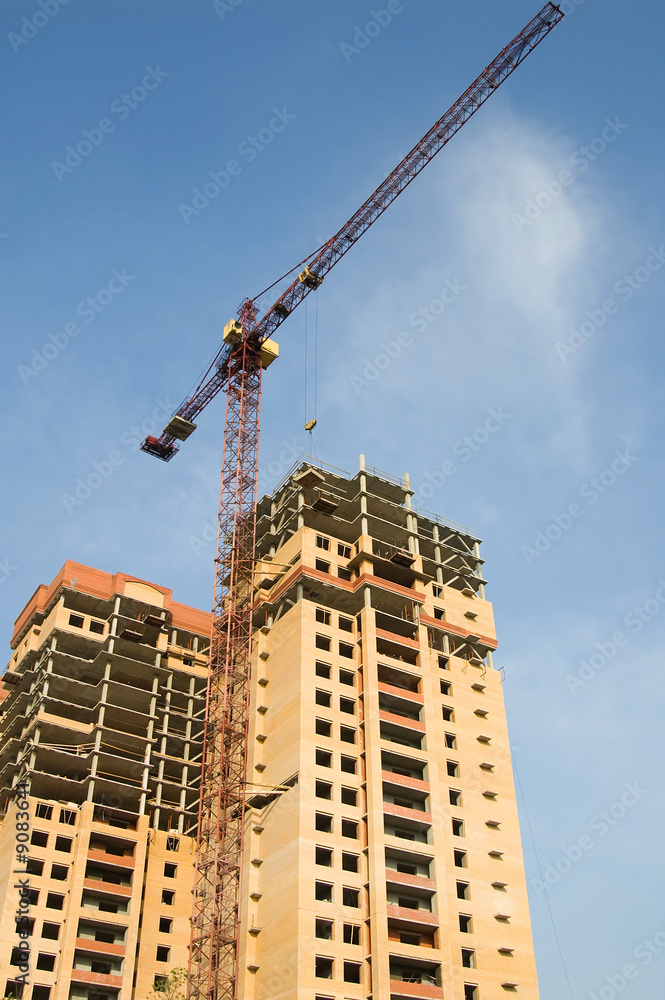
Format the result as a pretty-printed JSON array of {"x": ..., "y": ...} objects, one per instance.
[
  {"x": 382, "y": 855},
  {"x": 102, "y": 711}
]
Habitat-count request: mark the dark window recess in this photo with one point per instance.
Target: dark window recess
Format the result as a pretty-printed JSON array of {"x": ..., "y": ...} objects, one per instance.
[
  {"x": 165, "y": 924},
  {"x": 451, "y": 741},
  {"x": 347, "y": 705},
  {"x": 349, "y": 796},
  {"x": 172, "y": 844},
  {"x": 406, "y": 869},
  {"x": 406, "y": 938},
  {"x": 471, "y": 992},
  {"x": 59, "y": 872},
  {"x": 323, "y": 642},
  {"x": 465, "y": 924},
  {"x": 323, "y": 698},
  {"x": 170, "y": 870},
  {"x": 349, "y": 862},
  {"x": 458, "y": 828},
  {"x": 468, "y": 958},
  {"x": 347, "y": 677},
  {"x": 350, "y": 897},
  {"x": 323, "y": 891},
  {"x": 25, "y": 924},
  {"x": 444, "y": 663},
  {"x": 54, "y": 901},
  {"x": 323, "y": 823},
  {"x": 160, "y": 982},
  {"x": 322, "y": 669},
  {"x": 322, "y": 566},
  {"x": 43, "y": 811},
  {"x": 41, "y": 992},
  {"x": 323, "y": 616},
  {"x": 106, "y": 906},
  {"x": 14, "y": 988},
  {"x": 324, "y": 758},
  {"x": 162, "y": 953},
  {"x": 408, "y": 902},
  {"x": 324, "y": 856},
  {"x": 323, "y": 727},
  {"x": 460, "y": 859},
  {"x": 439, "y": 614},
  {"x": 454, "y": 797},
  {"x": 322, "y": 542},
  {"x": 106, "y": 937},
  {"x": 68, "y": 817},
  {"x": 345, "y": 624},
  {"x": 345, "y": 649},
  {"x": 446, "y": 688},
  {"x": 351, "y": 972},
  {"x": 347, "y": 735},
  {"x": 33, "y": 896},
  {"x": 167, "y": 897},
  {"x": 97, "y": 627},
  {"x": 63, "y": 844},
  {"x": 448, "y": 713},
  {"x": 350, "y": 829},
  {"x": 39, "y": 838},
  {"x": 463, "y": 890},
  {"x": 437, "y": 590},
  {"x": 323, "y": 790},
  {"x": 348, "y": 764},
  {"x": 344, "y": 551},
  {"x": 351, "y": 934},
  {"x": 344, "y": 574},
  {"x": 34, "y": 867},
  {"x": 323, "y": 968},
  {"x": 452, "y": 767},
  {"x": 45, "y": 962},
  {"x": 76, "y": 621},
  {"x": 324, "y": 929}
]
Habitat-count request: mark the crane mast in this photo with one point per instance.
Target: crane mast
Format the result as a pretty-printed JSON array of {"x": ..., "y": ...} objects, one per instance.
[{"x": 237, "y": 369}]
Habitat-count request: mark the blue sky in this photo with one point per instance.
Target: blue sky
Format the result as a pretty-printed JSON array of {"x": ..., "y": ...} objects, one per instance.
[{"x": 544, "y": 215}]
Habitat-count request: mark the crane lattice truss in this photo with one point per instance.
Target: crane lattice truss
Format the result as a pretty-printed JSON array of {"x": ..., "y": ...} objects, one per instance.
[{"x": 236, "y": 369}]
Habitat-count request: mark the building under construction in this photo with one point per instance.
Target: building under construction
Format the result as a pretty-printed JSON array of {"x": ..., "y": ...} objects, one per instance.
[
  {"x": 381, "y": 853},
  {"x": 102, "y": 714}
]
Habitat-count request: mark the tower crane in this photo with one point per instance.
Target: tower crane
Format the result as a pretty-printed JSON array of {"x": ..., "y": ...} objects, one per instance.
[{"x": 247, "y": 349}]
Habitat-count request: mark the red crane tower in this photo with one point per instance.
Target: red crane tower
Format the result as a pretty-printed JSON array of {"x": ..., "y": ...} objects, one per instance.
[{"x": 236, "y": 369}]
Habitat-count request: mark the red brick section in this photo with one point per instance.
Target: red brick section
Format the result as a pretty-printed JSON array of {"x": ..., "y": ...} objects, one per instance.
[
  {"x": 414, "y": 881},
  {"x": 103, "y": 585},
  {"x": 403, "y": 779},
  {"x": 419, "y": 990},
  {"x": 96, "y": 978},
  {"x": 99, "y": 947}
]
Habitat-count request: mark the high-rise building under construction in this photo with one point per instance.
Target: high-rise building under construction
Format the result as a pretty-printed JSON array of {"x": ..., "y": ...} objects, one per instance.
[{"x": 382, "y": 852}]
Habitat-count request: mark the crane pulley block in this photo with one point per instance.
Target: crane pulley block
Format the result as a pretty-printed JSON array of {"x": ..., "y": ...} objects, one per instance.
[{"x": 309, "y": 279}]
